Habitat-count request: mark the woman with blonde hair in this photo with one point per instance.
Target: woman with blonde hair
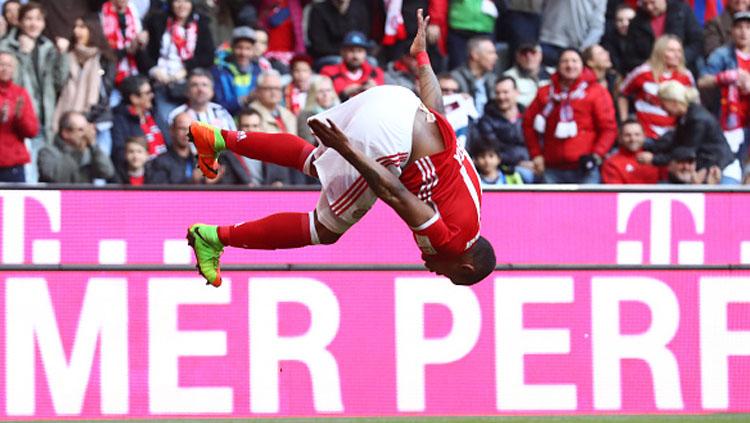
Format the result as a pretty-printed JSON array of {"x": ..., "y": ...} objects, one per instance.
[
  {"x": 320, "y": 97},
  {"x": 641, "y": 85},
  {"x": 697, "y": 131}
]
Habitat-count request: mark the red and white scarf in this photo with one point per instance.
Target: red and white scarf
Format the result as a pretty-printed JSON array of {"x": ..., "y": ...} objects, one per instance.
[
  {"x": 566, "y": 126},
  {"x": 394, "y": 22},
  {"x": 184, "y": 38},
  {"x": 111, "y": 26}
]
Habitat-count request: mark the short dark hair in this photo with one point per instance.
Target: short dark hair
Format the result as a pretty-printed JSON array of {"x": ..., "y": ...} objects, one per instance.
[
  {"x": 480, "y": 145},
  {"x": 200, "y": 72},
  {"x": 248, "y": 111},
  {"x": 567, "y": 50},
  {"x": 132, "y": 86},
  {"x": 504, "y": 78},
  {"x": 30, "y": 6},
  {"x": 483, "y": 257},
  {"x": 138, "y": 141},
  {"x": 630, "y": 121}
]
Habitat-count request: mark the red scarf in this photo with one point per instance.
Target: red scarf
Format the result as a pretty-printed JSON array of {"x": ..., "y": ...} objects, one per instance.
[
  {"x": 111, "y": 26},
  {"x": 152, "y": 133},
  {"x": 183, "y": 37}
]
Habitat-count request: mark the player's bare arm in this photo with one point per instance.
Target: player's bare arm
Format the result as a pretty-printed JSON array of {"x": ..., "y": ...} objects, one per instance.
[
  {"x": 382, "y": 182},
  {"x": 429, "y": 88}
]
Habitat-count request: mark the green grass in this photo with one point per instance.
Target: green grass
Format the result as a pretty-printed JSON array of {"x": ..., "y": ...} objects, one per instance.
[{"x": 708, "y": 418}]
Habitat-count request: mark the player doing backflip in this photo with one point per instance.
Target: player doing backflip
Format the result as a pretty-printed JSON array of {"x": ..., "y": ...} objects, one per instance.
[{"x": 384, "y": 143}]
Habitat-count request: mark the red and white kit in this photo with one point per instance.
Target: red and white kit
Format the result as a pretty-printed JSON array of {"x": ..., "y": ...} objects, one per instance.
[
  {"x": 379, "y": 122},
  {"x": 642, "y": 84}
]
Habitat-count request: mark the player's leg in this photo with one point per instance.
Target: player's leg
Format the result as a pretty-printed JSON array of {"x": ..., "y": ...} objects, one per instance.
[
  {"x": 282, "y": 149},
  {"x": 277, "y": 231}
]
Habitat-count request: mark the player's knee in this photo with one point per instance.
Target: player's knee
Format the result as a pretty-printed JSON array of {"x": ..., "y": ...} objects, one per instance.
[{"x": 325, "y": 235}]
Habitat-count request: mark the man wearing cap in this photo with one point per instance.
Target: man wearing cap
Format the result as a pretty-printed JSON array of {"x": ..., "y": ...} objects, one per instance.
[
  {"x": 528, "y": 72},
  {"x": 728, "y": 68},
  {"x": 236, "y": 77},
  {"x": 682, "y": 169},
  {"x": 354, "y": 74}
]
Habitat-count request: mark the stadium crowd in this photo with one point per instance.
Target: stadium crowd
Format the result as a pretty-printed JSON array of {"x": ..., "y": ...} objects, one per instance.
[{"x": 538, "y": 91}]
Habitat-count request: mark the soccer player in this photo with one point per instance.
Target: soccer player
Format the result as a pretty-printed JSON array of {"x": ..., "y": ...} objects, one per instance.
[{"x": 383, "y": 143}]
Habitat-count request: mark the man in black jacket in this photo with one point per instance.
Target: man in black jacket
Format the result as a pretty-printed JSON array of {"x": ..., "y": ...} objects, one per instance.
[
  {"x": 177, "y": 165},
  {"x": 655, "y": 18}
]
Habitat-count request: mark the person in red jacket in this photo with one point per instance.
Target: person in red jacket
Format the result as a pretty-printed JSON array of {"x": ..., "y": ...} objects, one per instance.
[
  {"x": 570, "y": 126},
  {"x": 623, "y": 167},
  {"x": 354, "y": 74},
  {"x": 17, "y": 121}
]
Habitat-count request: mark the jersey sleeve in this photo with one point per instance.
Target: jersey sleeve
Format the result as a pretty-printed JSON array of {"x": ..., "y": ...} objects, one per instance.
[{"x": 434, "y": 238}]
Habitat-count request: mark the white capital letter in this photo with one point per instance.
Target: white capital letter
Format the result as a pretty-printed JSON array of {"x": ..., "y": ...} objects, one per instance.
[
  {"x": 30, "y": 315},
  {"x": 167, "y": 344},
  {"x": 267, "y": 347},
  {"x": 718, "y": 343},
  {"x": 413, "y": 350},
  {"x": 609, "y": 346},
  {"x": 513, "y": 342}
]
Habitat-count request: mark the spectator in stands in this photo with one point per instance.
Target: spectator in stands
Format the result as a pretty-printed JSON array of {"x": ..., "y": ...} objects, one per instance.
[
  {"x": 136, "y": 156},
  {"x": 177, "y": 164},
  {"x": 320, "y": 98},
  {"x": 354, "y": 74},
  {"x": 489, "y": 164},
  {"x": 249, "y": 120},
  {"x": 696, "y": 129},
  {"x": 134, "y": 117},
  {"x": 501, "y": 126},
  {"x": 655, "y": 18},
  {"x": 403, "y": 72},
  {"x": 74, "y": 157},
  {"x": 275, "y": 119},
  {"x": 90, "y": 81},
  {"x": 597, "y": 59},
  {"x": 17, "y": 121},
  {"x": 623, "y": 167},
  {"x": 728, "y": 68},
  {"x": 615, "y": 38},
  {"x": 237, "y": 75},
  {"x": 42, "y": 70},
  {"x": 528, "y": 72},
  {"x": 125, "y": 35},
  {"x": 682, "y": 169},
  {"x": 179, "y": 41},
  {"x": 477, "y": 76},
  {"x": 199, "y": 106},
  {"x": 716, "y": 32},
  {"x": 282, "y": 20},
  {"x": 459, "y": 107},
  {"x": 10, "y": 14},
  {"x": 295, "y": 92},
  {"x": 666, "y": 63},
  {"x": 576, "y": 24},
  {"x": 570, "y": 126},
  {"x": 467, "y": 20},
  {"x": 329, "y": 22}
]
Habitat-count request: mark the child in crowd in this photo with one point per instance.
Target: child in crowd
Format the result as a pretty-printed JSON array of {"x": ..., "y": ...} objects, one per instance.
[
  {"x": 136, "y": 156},
  {"x": 488, "y": 162}
]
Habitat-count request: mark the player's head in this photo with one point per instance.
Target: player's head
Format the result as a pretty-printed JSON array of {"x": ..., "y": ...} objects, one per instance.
[{"x": 469, "y": 268}]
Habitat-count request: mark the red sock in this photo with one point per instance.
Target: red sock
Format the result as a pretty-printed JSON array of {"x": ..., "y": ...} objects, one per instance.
[
  {"x": 282, "y": 149},
  {"x": 283, "y": 230}
]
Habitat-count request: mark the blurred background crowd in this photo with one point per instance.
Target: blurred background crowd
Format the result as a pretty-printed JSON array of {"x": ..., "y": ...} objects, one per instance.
[{"x": 538, "y": 91}]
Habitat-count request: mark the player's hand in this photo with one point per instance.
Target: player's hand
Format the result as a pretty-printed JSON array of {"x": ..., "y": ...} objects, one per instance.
[
  {"x": 420, "y": 40},
  {"x": 645, "y": 157},
  {"x": 329, "y": 135}
]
